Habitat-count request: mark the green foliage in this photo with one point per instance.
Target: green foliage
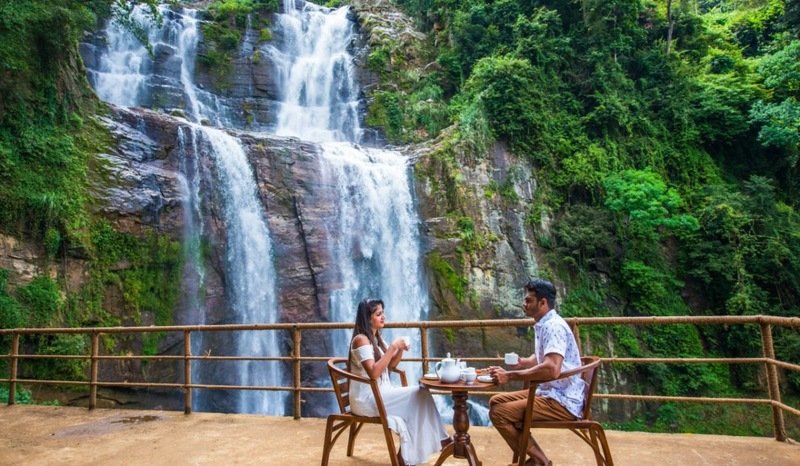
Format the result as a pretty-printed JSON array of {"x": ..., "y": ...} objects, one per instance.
[
  {"x": 583, "y": 237},
  {"x": 60, "y": 369},
  {"x": 11, "y": 313},
  {"x": 646, "y": 204},
  {"x": 41, "y": 301},
  {"x": 755, "y": 28},
  {"x": 148, "y": 284},
  {"x": 672, "y": 180},
  {"x": 22, "y": 395},
  {"x": 779, "y": 117},
  {"x": 222, "y": 33},
  {"x": 385, "y": 112},
  {"x": 52, "y": 241},
  {"x": 506, "y": 87},
  {"x": 265, "y": 35},
  {"x": 447, "y": 276}
]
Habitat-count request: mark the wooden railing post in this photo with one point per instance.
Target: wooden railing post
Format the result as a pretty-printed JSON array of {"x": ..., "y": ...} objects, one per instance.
[
  {"x": 296, "y": 338},
  {"x": 12, "y": 384},
  {"x": 576, "y": 331},
  {"x": 187, "y": 372},
  {"x": 423, "y": 330},
  {"x": 93, "y": 371},
  {"x": 773, "y": 384}
]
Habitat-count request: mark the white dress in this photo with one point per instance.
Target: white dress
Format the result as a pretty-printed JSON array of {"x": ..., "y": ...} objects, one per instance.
[{"x": 411, "y": 411}]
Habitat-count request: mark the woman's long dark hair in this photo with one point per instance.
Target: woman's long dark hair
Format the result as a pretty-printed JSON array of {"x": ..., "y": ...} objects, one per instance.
[{"x": 363, "y": 326}]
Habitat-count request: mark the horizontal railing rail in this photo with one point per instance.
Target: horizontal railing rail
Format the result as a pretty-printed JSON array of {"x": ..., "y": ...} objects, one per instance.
[{"x": 766, "y": 323}]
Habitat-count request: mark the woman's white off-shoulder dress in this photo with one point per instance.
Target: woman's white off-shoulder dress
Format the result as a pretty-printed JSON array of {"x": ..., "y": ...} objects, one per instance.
[{"x": 411, "y": 410}]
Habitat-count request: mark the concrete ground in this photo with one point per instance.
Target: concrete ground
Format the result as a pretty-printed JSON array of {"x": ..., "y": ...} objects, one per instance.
[{"x": 48, "y": 435}]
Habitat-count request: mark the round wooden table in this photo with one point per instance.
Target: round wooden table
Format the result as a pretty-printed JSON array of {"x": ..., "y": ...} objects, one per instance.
[{"x": 461, "y": 447}]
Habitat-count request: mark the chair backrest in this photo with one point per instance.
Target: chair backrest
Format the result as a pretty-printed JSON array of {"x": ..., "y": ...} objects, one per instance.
[
  {"x": 589, "y": 365},
  {"x": 587, "y": 371},
  {"x": 342, "y": 379},
  {"x": 339, "y": 372}
]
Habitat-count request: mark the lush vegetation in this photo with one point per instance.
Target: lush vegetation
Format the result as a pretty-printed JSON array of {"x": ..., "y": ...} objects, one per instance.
[
  {"x": 223, "y": 31},
  {"x": 667, "y": 146},
  {"x": 48, "y": 139}
]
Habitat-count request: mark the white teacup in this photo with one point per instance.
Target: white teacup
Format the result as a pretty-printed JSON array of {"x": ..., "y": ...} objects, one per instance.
[
  {"x": 468, "y": 374},
  {"x": 407, "y": 341},
  {"x": 511, "y": 359}
]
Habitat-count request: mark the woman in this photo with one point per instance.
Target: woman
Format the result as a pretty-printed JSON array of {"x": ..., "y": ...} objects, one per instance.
[{"x": 411, "y": 411}]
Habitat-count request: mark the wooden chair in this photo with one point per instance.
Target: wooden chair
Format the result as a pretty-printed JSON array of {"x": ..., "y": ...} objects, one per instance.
[
  {"x": 588, "y": 430},
  {"x": 341, "y": 377}
]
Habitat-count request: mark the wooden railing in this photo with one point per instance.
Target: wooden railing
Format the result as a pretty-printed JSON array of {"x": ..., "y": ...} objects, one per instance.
[{"x": 766, "y": 324}]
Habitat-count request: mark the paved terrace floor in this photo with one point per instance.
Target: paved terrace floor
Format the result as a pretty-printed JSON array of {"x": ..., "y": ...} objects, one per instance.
[{"x": 46, "y": 435}]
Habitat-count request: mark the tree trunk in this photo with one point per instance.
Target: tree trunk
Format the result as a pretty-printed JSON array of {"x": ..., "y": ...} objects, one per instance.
[{"x": 671, "y": 22}]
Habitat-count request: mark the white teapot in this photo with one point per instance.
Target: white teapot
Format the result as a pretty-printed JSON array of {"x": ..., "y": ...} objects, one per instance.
[{"x": 447, "y": 369}]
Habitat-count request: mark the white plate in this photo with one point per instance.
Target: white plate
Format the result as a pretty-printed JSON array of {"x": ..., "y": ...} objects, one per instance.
[
  {"x": 431, "y": 376},
  {"x": 485, "y": 379}
]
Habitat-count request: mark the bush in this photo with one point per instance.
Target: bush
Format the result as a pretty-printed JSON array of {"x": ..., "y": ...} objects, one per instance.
[
  {"x": 41, "y": 299},
  {"x": 61, "y": 369},
  {"x": 22, "y": 397}
]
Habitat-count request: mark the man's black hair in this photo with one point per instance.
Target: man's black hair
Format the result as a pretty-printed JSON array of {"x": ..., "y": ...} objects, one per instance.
[{"x": 543, "y": 289}]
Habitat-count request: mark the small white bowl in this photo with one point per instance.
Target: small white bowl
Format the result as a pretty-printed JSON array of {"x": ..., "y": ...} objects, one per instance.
[{"x": 431, "y": 376}]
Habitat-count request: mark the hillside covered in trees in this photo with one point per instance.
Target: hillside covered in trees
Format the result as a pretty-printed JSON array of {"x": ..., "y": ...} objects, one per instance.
[{"x": 666, "y": 137}]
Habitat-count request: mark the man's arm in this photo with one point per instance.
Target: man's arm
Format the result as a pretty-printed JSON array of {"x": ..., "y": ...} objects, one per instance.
[
  {"x": 548, "y": 369},
  {"x": 524, "y": 363}
]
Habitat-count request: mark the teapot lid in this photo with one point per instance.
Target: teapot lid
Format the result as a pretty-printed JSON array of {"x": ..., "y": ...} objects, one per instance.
[{"x": 448, "y": 358}]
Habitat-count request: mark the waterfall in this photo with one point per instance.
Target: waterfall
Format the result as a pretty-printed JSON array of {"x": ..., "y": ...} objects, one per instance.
[
  {"x": 373, "y": 232},
  {"x": 251, "y": 282},
  {"x": 128, "y": 75},
  {"x": 194, "y": 271},
  {"x": 320, "y": 98}
]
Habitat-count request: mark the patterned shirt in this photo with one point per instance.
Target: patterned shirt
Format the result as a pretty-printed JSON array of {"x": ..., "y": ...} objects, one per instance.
[{"x": 553, "y": 335}]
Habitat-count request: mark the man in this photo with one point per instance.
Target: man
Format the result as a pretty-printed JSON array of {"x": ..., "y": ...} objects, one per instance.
[{"x": 556, "y": 351}]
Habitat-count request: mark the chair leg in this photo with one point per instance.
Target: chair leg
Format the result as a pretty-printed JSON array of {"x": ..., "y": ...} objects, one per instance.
[
  {"x": 328, "y": 445},
  {"x": 522, "y": 449},
  {"x": 600, "y": 435},
  {"x": 351, "y": 440},
  {"x": 593, "y": 442},
  {"x": 394, "y": 456}
]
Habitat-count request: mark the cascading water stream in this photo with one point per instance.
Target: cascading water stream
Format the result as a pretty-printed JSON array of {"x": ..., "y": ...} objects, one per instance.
[
  {"x": 373, "y": 234},
  {"x": 124, "y": 77}
]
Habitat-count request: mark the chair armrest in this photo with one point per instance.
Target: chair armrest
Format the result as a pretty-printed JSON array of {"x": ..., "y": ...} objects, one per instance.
[
  {"x": 348, "y": 375},
  {"x": 563, "y": 375},
  {"x": 402, "y": 374}
]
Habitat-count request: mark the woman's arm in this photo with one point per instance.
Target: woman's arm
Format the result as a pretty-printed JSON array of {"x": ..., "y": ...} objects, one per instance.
[
  {"x": 398, "y": 356},
  {"x": 375, "y": 368}
]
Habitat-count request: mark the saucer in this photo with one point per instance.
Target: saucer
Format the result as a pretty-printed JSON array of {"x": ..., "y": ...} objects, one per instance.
[
  {"x": 431, "y": 376},
  {"x": 485, "y": 379}
]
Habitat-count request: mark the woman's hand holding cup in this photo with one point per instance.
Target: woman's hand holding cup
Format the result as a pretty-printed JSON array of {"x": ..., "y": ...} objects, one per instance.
[{"x": 402, "y": 343}]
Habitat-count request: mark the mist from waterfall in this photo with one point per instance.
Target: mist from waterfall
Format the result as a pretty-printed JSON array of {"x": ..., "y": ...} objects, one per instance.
[{"x": 124, "y": 77}]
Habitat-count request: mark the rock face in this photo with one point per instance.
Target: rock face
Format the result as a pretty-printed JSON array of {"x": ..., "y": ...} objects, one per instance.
[
  {"x": 296, "y": 205},
  {"x": 479, "y": 240}
]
